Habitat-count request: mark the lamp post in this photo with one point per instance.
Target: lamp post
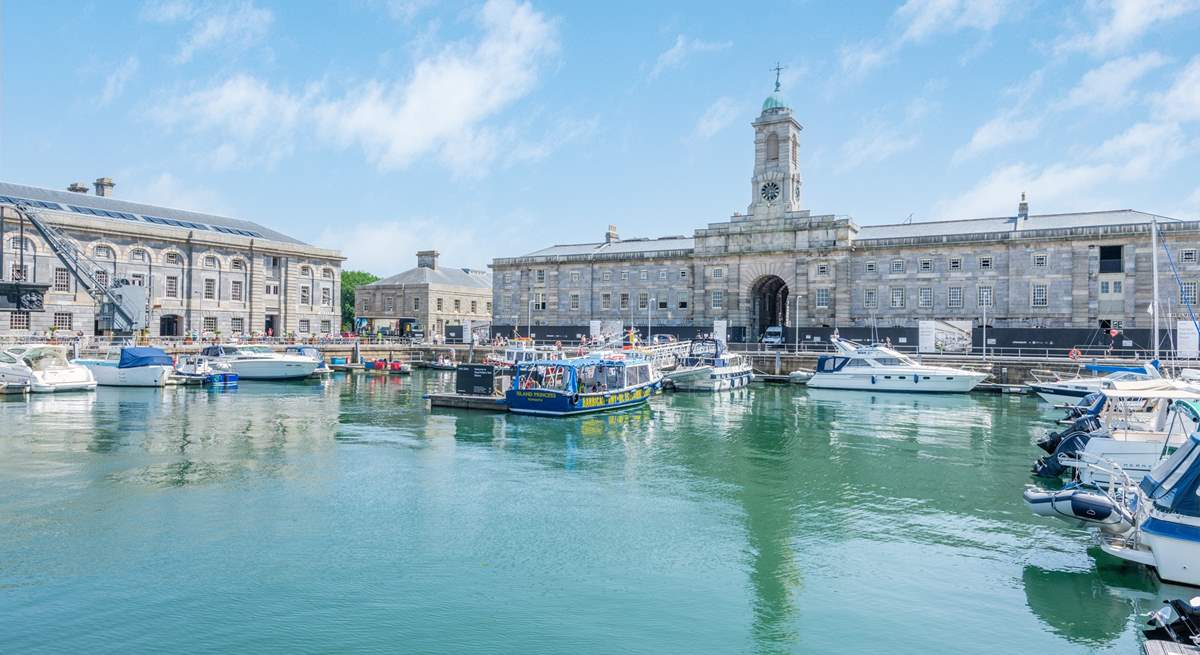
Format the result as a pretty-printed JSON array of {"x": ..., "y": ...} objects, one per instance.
[
  {"x": 529, "y": 323},
  {"x": 649, "y": 319}
]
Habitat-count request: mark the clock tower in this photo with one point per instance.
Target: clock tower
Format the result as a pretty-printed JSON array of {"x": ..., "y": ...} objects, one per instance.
[{"x": 776, "y": 184}]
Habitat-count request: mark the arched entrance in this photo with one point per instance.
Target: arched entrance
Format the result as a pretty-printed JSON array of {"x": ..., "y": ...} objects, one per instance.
[
  {"x": 168, "y": 326},
  {"x": 768, "y": 298}
]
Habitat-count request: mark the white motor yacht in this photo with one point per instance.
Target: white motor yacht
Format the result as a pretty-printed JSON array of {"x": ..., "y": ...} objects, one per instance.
[
  {"x": 879, "y": 368},
  {"x": 136, "y": 367},
  {"x": 1057, "y": 391},
  {"x": 709, "y": 366},
  {"x": 44, "y": 368},
  {"x": 260, "y": 362}
]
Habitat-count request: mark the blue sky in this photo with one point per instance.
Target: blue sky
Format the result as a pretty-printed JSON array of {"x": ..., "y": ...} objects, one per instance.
[{"x": 491, "y": 129}]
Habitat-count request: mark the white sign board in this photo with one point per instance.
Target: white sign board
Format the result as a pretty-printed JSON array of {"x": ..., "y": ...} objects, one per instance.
[
  {"x": 944, "y": 336},
  {"x": 1189, "y": 341},
  {"x": 594, "y": 329},
  {"x": 721, "y": 330}
]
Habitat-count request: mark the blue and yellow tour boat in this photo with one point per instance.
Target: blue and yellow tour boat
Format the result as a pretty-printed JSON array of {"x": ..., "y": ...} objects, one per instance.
[{"x": 596, "y": 383}]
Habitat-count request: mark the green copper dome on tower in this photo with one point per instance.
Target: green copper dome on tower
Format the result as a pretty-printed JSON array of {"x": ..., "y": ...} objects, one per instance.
[{"x": 774, "y": 101}]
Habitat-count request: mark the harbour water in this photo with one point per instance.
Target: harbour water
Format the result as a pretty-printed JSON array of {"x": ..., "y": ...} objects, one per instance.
[{"x": 344, "y": 516}]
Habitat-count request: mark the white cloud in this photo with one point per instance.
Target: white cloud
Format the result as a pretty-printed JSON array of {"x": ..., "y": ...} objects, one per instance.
[
  {"x": 256, "y": 122},
  {"x": 998, "y": 132},
  {"x": 1181, "y": 102},
  {"x": 166, "y": 190},
  {"x": 1120, "y": 23},
  {"x": 719, "y": 115},
  {"x": 684, "y": 47},
  {"x": 861, "y": 58},
  {"x": 231, "y": 27},
  {"x": 114, "y": 83},
  {"x": 924, "y": 18},
  {"x": 167, "y": 11},
  {"x": 1110, "y": 84},
  {"x": 388, "y": 246},
  {"x": 443, "y": 104},
  {"x": 875, "y": 143},
  {"x": 407, "y": 10}
]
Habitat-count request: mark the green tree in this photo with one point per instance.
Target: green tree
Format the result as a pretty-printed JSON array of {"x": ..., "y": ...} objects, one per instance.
[{"x": 352, "y": 280}]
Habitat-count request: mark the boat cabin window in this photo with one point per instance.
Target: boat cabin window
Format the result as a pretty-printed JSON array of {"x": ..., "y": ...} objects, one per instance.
[
  {"x": 543, "y": 377},
  {"x": 211, "y": 351},
  {"x": 831, "y": 364},
  {"x": 889, "y": 361},
  {"x": 6, "y": 358},
  {"x": 858, "y": 363},
  {"x": 615, "y": 376},
  {"x": 639, "y": 374},
  {"x": 591, "y": 380}
]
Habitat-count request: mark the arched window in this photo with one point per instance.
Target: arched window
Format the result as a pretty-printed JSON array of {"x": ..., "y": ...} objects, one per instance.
[
  {"x": 15, "y": 244},
  {"x": 210, "y": 261},
  {"x": 305, "y": 271},
  {"x": 138, "y": 255},
  {"x": 238, "y": 264},
  {"x": 104, "y": 252},
  {"x": 772, "y": 147},
  {"x": 327, "y": 273},
  {"x": 173, "y": 258}
]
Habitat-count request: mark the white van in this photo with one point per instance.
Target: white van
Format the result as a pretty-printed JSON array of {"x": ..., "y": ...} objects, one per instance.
[{"x": 773, "y": 336}]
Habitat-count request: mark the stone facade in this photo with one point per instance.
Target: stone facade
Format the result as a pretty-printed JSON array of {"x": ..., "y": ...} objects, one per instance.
[
  {"x": 782, "y": 265},
  {"x": 428, "y": 295},
  {"x": 201, "y": 282}
]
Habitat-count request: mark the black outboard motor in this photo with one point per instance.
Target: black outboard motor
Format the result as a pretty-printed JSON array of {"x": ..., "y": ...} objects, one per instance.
[
  {"x": 1087, "y": 423},
  {"x": 1080, "y": 408},
  {"x": 1072, "y": 443},
  {"x": 1184, "y": 629}
]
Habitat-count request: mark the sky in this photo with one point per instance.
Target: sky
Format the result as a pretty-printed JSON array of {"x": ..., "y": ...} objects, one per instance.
[{"x": 384, "y": 127}]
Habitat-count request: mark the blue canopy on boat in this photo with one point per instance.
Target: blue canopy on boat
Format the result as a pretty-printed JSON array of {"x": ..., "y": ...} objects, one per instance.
[
  {"x": 135, "y": 357},
  {"x": 1173, "y": 484},
  {"x": 1113, "y": 368}
]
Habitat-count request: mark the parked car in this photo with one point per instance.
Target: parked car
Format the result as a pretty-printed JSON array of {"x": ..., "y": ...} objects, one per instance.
[{"x": 773, "y": 337}]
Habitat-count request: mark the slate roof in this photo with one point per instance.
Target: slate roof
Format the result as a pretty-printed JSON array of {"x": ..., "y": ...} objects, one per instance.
[
  {"x": 1006, "y": 224},
  {"x": 627, "y": 246},
  {"x": 166, "y": 215},
  {"x": 454, "y": 277}
]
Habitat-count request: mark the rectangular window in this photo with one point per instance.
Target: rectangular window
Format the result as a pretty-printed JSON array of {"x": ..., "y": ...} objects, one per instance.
[
  {"x": 925, "y": 266},
  {"x": 18, "y": 321},
  {"x": 871, "y": 267},
  {"x": 488, "y": 308},
  {"x": 1117, "y": 286},
  {"x": 683, "y": 274},
  {"x": 366, "y": 305},
  {"x": 326, "y": 327},
  {"x": 210, "y": 262},
  {"x": 1103, "y": 287},
  {"x": 62, "y": 279},
  {"x": 474, "y": 306},
  {"x": 897, "y": 298},
  {"x": 1187, "y": 293},
  {"x": 1039, "y": 297},
  {"x": 138, "y": 279},
  {"x": 683, "y": 304},
  {"x": 239, "y": 265},
  {"x": 822, "y": 270},
  {"x": 19, "y": 272},
  {"x": 1039, "y": 260},
  {"x": 956, "y": 263},
  {"x": 925, "y": 297},
  {"x": 326, "y": 296},
  {"x": 237, "y": 325},
  {"x": 416, "y": 304},
  {"x": 645, "y": 275},
  {"x": 539, "y": 276},
  {"x": 662, "y": 275},
  {"x": 210, "y": 289},
  {"x": 271, "y": 289},
  {"x": 102, "y": 278},
  {"x": 718, "y": 299},
  {"x": 954, "y": 297},
  {"x": 305, "y": 326},
  {"x": 606, "y": 276},
  {"x": 822, "y": 298},
  {"x": 985, "y": 263},
  {"x": 662, "y": 303},
  {"x": 985, "y": 297},
  {"x": 606, "y": 301},
  {"x": 897, "y": 265},
  {"x": 172, "y": 287},
  {"x": 235, "y": 290},
  {"x": 574, "y": 276},
  {"x": 389, "y": 304},
  {"x": 64, "y": 320},
  {"x": 624, "y": 275},
  {"x": 574, "y": 303},
  {"x": 643, "y": 300},
  {"x": 718, "y": 272},
  {"x": 305, "y": 295},
  {"x": 1187, "y": 256},
  {"x": 1112, "y": 259},
  {"x": 438, "y": 303},
  {"x": 508, "y": 278},
  {"x": 210, "y": 323},
  {"x": 457, "y": 306},
  {"x": 624, "y": 301},
  {"x": 539, "y": 301},
  {"x": 870, "y": 298}
]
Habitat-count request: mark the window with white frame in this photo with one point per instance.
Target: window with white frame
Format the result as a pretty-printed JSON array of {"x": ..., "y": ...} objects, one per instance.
[
  {"x": 871, "y": 267},
  {"x": 956, "y": 263},
  {"x": 326, "y": 327},
  {"x": 210, "y": 289},
  {"x": 683, "y": 302},
  {"x": 240, "y": 265},
  {"x": 416, "y": 304},
  {"x": 271, "y": 289},
  {"x": 897, "y": 265},
  {"x": 171, "y": 288},
  {"x": 138, "y": 279},
  {"x": 925, "y": 266},
  {"x": 662, "y": 274},
  {"x": 474, "y": 306},
  {"x": 173, "y": 258},
  {"x": 104, "y": 252},
  {"x": 305, "y": 295},
  {"x": 683, "y": 274},
  {"x": 539, "y": 301},
  {"x": 210, "y": 323},
  {"x": 718, "y": 272},
  {"x": 925, "y": 297},
  {"x": 822, "y": 270},
  {"x": 1039, "y": 260},
  {"x": 18, "y": 321},
  {"x": 327, "y": 273},
  {"x": 306, "y": 271},
  {"x": 235, "y": 290},
  {"x": 954, "y": 297},
  {"x": 139, "y": 256},
  {"x": 822, "y": 298},
  {"x": 870, "y": 298},
  {"x": 19, "y": 272},
  {"x": 62, "y": 279},
  {"x": 438, "y": 304},
  {"x": 1187, "y": 293},
  {"x": 643, "y": 300},
  {"x": 1039, "y": 297},
  {"x": 605, "y": 301},
  {"x": 662, "y": 303},
  {"x": 326, "y": 296},
  {"x": 718, "y": 299},
  {"x": 624, "y": 301},
  {"x": 624, "y": 275},
  {"x": 574, "y": 302},
  {"x": 389, "y": 304},
  {"x": 575, "y": 276},
  {"x": 457, "y": 306},
  {"x": 897, "y": 298},
  {"x": 305, "y": 326},
  {"x": 984, "y": 297},
  {"x": 64, "y": 320},
  {"x": 539, "y": 276},
  {"x": 507, "y": 277},
  {"x": 237, "y": 325},
  {"x": 210, "y": 261},
  {"x": 1187, "y": 256},
  {"x": 985, "y": 263},
  {"x": 644, "y": 275},
  {"x": 606, "y": 276}
]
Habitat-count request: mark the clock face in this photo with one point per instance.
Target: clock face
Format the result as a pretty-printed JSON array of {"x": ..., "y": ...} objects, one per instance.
[{"x": 770, "y": 191}]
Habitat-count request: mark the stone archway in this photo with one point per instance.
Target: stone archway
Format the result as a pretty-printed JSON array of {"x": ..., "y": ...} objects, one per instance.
[{"x": 768, "y": 304}]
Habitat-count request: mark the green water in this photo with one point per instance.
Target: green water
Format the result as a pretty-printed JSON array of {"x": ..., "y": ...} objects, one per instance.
[{"x": 344, "y": 516}]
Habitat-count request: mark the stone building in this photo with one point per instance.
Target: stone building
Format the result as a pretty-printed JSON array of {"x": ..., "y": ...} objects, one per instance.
[
  {"x": 429, "y": 296},
  {"x": 779, "y": 264},
  {"x": 206, "y": 275}
]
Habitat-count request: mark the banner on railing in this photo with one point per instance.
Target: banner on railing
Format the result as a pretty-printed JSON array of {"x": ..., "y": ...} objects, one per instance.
[{"x": 944, "y": 336}]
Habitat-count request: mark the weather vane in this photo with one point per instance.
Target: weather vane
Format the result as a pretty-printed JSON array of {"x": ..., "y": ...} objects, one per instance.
[{"x": 777, "y": 70}]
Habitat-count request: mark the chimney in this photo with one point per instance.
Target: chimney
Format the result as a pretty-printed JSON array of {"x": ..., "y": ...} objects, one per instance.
[
  {"x": 427, "y": 259},
  {"x": 611, "y": 234},
  {"x": 77, "y": 187},
  {"x": 104, "y": 187},
  {"x": 1023, "y": 208}
]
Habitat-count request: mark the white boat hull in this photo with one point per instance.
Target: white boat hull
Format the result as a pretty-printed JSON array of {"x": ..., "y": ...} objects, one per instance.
[
  {"x": 107, "y": 374},
  {"x": 710, "y": 378},
  {"x": 71, "y": 379},
  {"x": 1136, "y": 459},
  {"x": 272, "y": 369},
  {"x": 934, "y": 382},
  {"x": 1169, "y": 545}
]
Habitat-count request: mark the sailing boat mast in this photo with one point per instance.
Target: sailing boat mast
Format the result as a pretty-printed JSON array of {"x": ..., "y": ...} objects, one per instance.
[{"x": 1154, "y": 272}]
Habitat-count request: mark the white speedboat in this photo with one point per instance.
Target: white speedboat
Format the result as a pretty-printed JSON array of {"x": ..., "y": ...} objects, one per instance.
[
  {"x": 1057, "y": 391},
  {"x": 136, "y": 367},
  {"x": 261, "y": 363},
  {"x": 521, "y": 350},
  {"x": 322, "y": 369},
  {"x": 709, "y": 366},
  {"x": 1155, "y": 522},
  {"x": 43, "y": 368},
  {"x": 879, "y": 368}
]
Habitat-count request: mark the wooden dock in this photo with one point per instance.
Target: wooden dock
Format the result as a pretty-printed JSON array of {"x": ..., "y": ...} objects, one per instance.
[
  {"x": 466, "y": 401},
  {"x": 1156, "y": 647}
]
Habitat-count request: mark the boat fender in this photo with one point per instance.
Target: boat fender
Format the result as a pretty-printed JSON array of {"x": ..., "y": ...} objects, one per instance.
[
  {"x": 872, "y": 379},
  {"x": 916, "y": 378},
  {"x": 574, "y": 399}
]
